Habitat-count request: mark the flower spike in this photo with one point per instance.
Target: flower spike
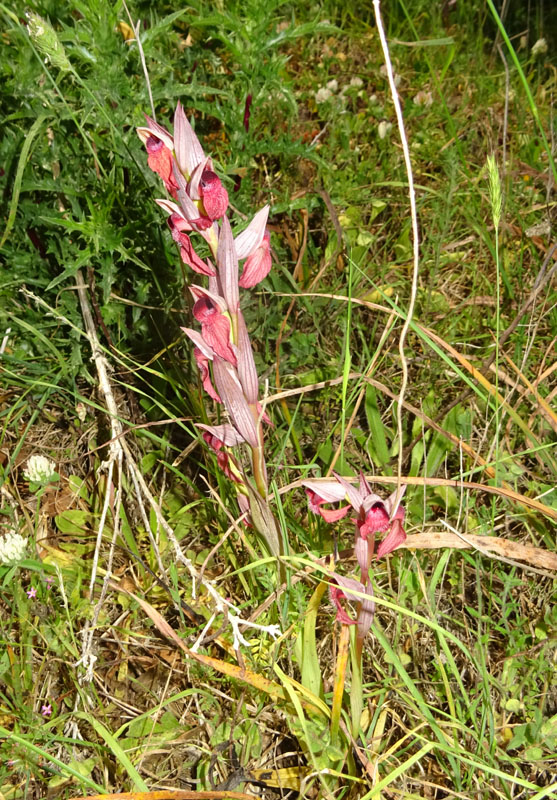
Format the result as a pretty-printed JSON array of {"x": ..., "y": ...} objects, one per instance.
[{"x": 222, "y": 349}]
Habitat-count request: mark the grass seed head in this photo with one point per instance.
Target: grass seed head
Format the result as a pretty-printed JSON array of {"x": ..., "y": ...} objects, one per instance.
[{"x": 47, "y": 42}]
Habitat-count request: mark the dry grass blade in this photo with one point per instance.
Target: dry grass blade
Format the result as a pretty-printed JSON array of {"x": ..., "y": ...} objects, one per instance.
[
  {"x": 491, "y": 546},
  {"x": 543, "y": 405},
  {"x": 170, "y": 794}
]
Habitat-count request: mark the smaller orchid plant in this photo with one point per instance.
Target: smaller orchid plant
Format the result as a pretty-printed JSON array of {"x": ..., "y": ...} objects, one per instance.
[
  {"x": 222, "y": 346},
  {"x": 373, "y": 515}
]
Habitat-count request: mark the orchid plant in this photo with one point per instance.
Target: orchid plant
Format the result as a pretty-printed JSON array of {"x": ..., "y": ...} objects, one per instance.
[
  {"x": 373, "y": 515},
  {"x": 222, "y": 348}
]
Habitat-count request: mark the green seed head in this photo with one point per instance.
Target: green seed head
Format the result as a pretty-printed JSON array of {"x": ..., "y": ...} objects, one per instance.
[
  {"x": 47, "y": 42},
  {"x": 495, "y": 193}
]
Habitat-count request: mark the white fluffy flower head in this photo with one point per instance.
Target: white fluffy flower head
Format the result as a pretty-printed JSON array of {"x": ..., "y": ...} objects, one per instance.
[
  {"x": 39, "y": 469},
  {"x": 539, "y": 48},
  {"x": 12, "y": 548},
  {"x": 384, "y": 128},
  {"x": 322, "y": 95},
  {"x": 423, "y": 98}
]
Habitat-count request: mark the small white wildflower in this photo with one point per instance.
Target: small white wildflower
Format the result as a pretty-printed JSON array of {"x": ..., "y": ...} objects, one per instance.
[
  {"x": 424, "y": 99},
  {"x": 539, "y": 48},
  {"x": 372, "y": 98},
  {"x": 356, "y": 81},
  {"x": 333, "y": 85},
  {"x": 384, "y": 128},
  {"x": 322, "y": 95},
  {"x": 39, "y": 469},
  {"x": 12, "y": 548}
]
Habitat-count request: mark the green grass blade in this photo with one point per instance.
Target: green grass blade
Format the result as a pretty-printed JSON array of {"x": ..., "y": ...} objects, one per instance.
[
  {"x": 24, "y": 155},
  {"x": 65, "y": 769},
  {"x": 116, "y": 750}
]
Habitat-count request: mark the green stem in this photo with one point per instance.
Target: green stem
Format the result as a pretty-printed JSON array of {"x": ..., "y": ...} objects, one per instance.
[
  {"x": 356, "y": 690},
  {"x": 258, "y": 464}
]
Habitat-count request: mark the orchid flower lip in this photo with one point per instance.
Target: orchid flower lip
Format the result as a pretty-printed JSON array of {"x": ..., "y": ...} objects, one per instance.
[{"x": 216, "y": 330}]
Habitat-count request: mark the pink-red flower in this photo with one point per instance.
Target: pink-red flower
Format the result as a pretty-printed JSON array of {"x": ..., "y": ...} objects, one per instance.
[
  {"x": 373, "y": 514},
  {"x": 395, "y": 537},
  {"x": 178, "y": 225},
  {"x": 258, "y": 264},
  {"x": 336, "y": 594},
  {"x": 378, "y": 520},
  {"x": 342, "y": 588},
  {"x": 185, "y": 169},
  {"x": 159, "y": 158},
  {"x": 254, "y": 245},
  {"x": 159, "y": 144},
  {"x": 210, "y": 310},
  {"x": 218, "y": 438},
  {"x": 315, "y": 501},
  {"x": 203, "y": 364},
  {"x": 184, "y": 217}
]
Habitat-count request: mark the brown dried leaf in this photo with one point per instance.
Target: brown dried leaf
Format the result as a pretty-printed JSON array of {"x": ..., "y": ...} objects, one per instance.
[{"x": 492, "y": 546}]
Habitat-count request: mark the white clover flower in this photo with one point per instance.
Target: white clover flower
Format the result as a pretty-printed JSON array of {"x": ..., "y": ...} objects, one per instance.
[
  {"x": 39, "y": 469},
  {"x": 322, "y": 95},
  {"x": 12, "y": 548},
  {"x": 424, "y": 99},
  {"x": 357, "y": 82},
  {"x": 333, "y": 85},
  {"x": 539, "y": 48},
  {"x": 384, "y": 128}
]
